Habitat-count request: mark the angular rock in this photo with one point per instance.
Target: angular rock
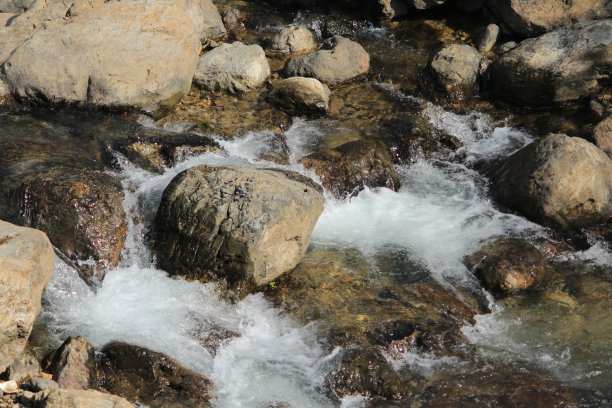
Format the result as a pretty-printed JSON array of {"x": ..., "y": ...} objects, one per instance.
[
  {"x": 81, "y": 211},
  {"x": 294, "y": 39},
  {"x": 530, "y": 18},
  {"x": 233, "y": 67},
  {"x": 603, "y": 135},
  {"x": 456, "y": 69},
  {"x": 60, "y": 398},
  {"x": 73, "y": 365},
  {"x": 140, "y": 54},
  {"x": 301, "y": 95},
  {"x": 339, "y": 60},
  {"x": 151, "y": 378},
  {"x": 349, "y": 168},
  {"x": 244, "y": 226},
  {"x": 489, "y": 38},
  {"x": 561, "y": 66},
  {"x": 26, "y": 266},
  {"x": 560, "y": 181},
  {"x": 24, "y": 367},
  {"x": 508, "y": 265}
]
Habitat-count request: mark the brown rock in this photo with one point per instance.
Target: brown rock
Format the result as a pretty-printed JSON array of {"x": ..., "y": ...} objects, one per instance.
[
  {"x": 603, "y": 135},
  {"x": 73, "y": 365},
  {"x": 301, "y": 95},
  {"x": 61, "y": 398}
]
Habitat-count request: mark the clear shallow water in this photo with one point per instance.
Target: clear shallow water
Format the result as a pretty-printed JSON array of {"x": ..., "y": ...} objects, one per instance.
[{"x": 439, "y": 215}]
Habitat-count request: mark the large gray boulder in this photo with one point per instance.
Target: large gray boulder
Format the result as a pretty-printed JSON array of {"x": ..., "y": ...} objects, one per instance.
[
  {"x": 26, "y": 266},
  {"x": 62, "y": 398},
  {"x": 563, "y": 65},
  {"x": 233, "y": 67},
  {"x": 530, "y": 18},
  {"x": 244, "y": 226},
  {"x": 456, "y": 69},
  {"x": 559, "y": 181},
  {"x": 294, "y": 39},
  {"x": 339, "y": 60},
  {"x": 139, "y": 54}
]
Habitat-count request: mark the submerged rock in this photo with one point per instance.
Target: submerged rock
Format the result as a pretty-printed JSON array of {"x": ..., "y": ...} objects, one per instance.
[
  {"x": 456, "y": 69},
  {"x": 233, "y": 67},
  {"x": 300, "y": 95},
  {"x": 561, "y": 181},
  {"x": 603, "y": 135},
  {"x": 243, "y": 226},
  {"x": 351, "y": 167},
  {"x": 115, "y": 55},
  {"x": 561, "y": 66},
  {"x": 338, "y": 60},
  {"x": 146, "y": 377},
  {"x": 294, "y": 40},
  {"x": 26, "y": 267},
  {"x": 530, "y": 18},
  {"x": 62, "y": 398},
  {"x": 508, "y": 265},
  {"x": 73, "y": 365}
]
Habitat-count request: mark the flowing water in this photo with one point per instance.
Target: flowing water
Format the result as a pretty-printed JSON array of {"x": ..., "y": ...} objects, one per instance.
[{"x": 439, "y": 215}]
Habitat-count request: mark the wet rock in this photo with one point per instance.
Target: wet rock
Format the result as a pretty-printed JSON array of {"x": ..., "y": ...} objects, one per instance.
[
  {"x": 116, "y": 55},
  {"x": 338, "y": 60},
  {"x": 146, "y": 377},
  {"x": 61, "y": 398},
  {"x": 80, "y": 210},
  {"x": 301, "y": 95},
  {"x": 293, "y": 40},
  {"x": 508, "y": 265},
  {"x": 489, "y": 38},
  {"x": 233, "y": 67},
  {"x": 561, "y": 66},
  {"x": 561, "y": 181},
  {"x": 530, "y": 18},
  {"x": 367, "y": 373},
  {"x": 22, "y": 368},
  {"x": 26, "y": 266},
  {"x": 73, "y": 365},
  {"x": 244, "y": 226},
  {"x": 349, "y": 168},
  {"x": 456, "y": 69},
  {"x": 603, "y": 135},
  {"x": 40, "y": 384}
]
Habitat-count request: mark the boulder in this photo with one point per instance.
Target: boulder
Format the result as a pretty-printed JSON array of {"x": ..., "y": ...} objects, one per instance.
[
  {"x": 61, "y": 398},
  {"x": 151, "y": 378},
  {"x": 233, "y": 67},
  {"x": 531, "y": 18},
  {"x": 24, "y": 367},
  {"x": 349, "y": 168},
  {"x": 73, "y": 365},
  {"x": 561, "y": 66},
  {"x": 456, "y": 69},
  {"x": 205, "y": 17},
  {"x": 26, "y": 267},
  {"x": 602, "y": 134},
  {"x": 80, "y": 210},
  {"x": 294, "y": 39},
  {"x": 339, "y": 60},
  {"x": 508, "y": 265},
  {"x": 559, "y": 181},
  {"x": 299, "y": 95},
  {"x": 244, "y": 226},
  {"x": 139, "y": 54}
]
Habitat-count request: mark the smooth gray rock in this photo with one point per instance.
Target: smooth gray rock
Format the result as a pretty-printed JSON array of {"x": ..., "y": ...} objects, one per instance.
[
  {"x": 559, "y": 181},
  {"x": 239, "y": 225},
  {"x": 41, "y": 384},
  {"x": 489, "y": 38},
  {"x": 456, "y": 68},
  {"x": 301, "y": 95},
  {"x": 339, "y": 60},
  {"x": 294, "y": 39},
  {"x": 233, "y": 67},
  {"x": 561, "y": 66}
]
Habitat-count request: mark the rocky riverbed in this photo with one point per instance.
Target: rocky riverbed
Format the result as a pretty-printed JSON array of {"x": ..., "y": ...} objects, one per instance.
[{"x": 299, "y": 203}]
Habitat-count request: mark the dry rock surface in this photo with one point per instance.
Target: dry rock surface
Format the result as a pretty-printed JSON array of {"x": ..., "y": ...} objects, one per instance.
[
  {"x": 26, "y": 266},
  {"x": 244, "y": 226},
  {"x": 456, "y": 69},
  {"x": 298, "y": 95},
  {"x": 294, "y": 39}
]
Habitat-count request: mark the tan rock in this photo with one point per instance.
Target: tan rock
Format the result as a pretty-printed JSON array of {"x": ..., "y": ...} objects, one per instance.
[
  {"x": 61, "y": 398},
  {"x": 244, "y": 226},
  {"x": 300, "y": 95},
  {"x": 603, "y": 135},
  {"x": 26, "y": 266},
  {"x": 294, "y": 39},
  {"x": 73, "y": 365},
  {"x": 456, "y": 69}
]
